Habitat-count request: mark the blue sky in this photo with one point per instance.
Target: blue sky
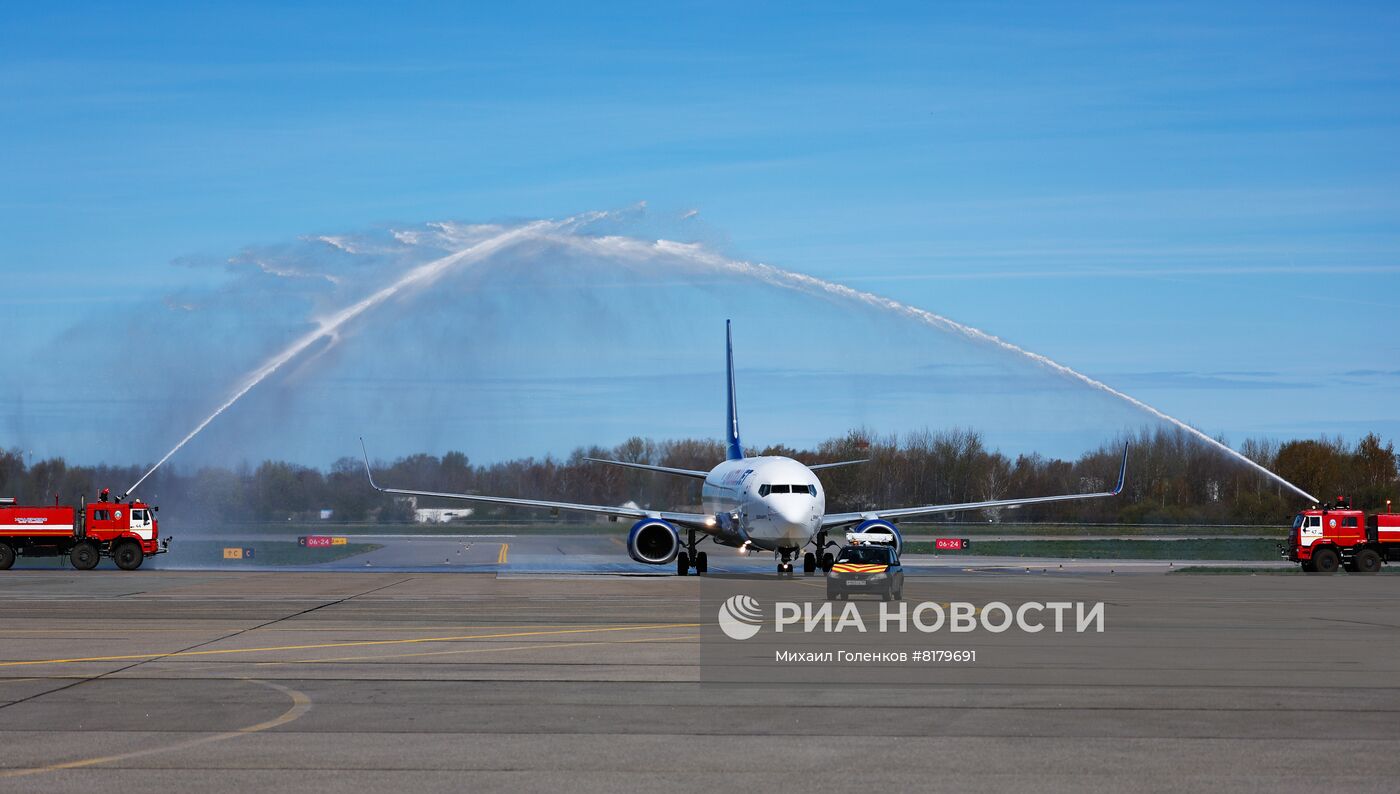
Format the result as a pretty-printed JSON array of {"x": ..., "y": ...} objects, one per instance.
[{"x": 1196, "y": 202}]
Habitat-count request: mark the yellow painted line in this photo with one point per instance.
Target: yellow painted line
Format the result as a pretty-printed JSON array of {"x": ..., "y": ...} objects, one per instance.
[
  {"x": 300, "y": 705},
  {"x": 501, "y": 558},
  {"x": 676, "y": 638},
  {"x": 481, "y": 650},
  {"x": 310, "y": 630},
  {"x": 361, "y": 644}
]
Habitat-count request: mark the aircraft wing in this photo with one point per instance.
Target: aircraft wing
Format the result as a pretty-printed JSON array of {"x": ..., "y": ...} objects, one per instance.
[
  {"x": 841, "y": 519},
  {"x": 699, "y": 475},
  {"x": 696, "y": 520},
  {"x": 820, "y": 466}
]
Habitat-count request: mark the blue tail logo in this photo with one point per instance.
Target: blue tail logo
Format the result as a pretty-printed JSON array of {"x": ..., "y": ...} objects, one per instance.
[{"x": 731, "y": 431}]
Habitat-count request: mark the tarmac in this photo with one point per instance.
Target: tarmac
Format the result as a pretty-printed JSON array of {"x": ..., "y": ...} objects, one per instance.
[
  {"x": 510, "y": 553},
  {"x": 520, "y": 676}
]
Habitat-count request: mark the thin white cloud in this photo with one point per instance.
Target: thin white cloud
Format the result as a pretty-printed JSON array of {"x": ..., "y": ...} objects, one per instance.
[
  {"x": 1122, "y": 272},
  {"x": 280, "y": 271},
  {"x": 343, "y": 243}
]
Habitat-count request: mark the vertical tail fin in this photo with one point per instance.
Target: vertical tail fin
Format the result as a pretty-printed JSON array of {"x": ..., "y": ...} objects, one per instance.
[{"x": 731, "y": 431}]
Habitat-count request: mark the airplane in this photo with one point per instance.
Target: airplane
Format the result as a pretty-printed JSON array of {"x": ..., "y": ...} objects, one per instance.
[{"x": 769, "y": 503}]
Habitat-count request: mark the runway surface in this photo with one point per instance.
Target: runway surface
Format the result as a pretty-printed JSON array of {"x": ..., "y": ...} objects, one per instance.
[
  {"x": 586, "y": 554},
  {"x": 386, "y": 681}
]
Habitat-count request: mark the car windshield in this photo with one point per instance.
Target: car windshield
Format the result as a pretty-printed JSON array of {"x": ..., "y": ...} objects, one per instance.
[
  {"x": 1298, "y": 521},
  {"x": 866, "y": 554}
]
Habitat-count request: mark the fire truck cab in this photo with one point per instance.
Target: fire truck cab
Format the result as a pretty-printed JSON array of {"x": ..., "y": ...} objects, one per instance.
[
  {"x": 1334, "y": 536},
  {"x": 128, "y": 532}
]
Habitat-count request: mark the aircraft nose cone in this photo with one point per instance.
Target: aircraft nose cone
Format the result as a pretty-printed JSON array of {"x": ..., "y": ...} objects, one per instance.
[{"x": 793, "y": 516}]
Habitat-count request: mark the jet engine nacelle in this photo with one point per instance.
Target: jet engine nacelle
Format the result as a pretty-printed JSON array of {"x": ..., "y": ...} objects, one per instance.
[
  {"x": 653, "y": 541},
  {"x": 878, "y": 526}
]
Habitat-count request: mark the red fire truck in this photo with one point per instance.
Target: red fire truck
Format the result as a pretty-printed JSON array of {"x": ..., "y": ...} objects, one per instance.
[
  {"x": 1336, "y": 536},
  {"x": 125, "y": 531}
]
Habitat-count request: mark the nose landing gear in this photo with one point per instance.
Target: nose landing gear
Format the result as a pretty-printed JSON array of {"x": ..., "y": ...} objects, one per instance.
[{"x": 785, "y": 567}]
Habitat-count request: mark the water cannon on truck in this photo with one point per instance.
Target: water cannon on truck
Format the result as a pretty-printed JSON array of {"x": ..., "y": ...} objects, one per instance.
[
  {"x": 127, "y": 531},
  {"x": 1331, "y": 536}
]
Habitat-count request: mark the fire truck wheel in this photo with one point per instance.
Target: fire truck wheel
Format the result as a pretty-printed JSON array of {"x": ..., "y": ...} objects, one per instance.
[
  {"x": 1325, "y": 561},
  {"x": 84, "y": 556},
  {"x": 1368, "y": 561},
  {"x": 128, "y": 556},
  {"x": 7, "y": 556}
]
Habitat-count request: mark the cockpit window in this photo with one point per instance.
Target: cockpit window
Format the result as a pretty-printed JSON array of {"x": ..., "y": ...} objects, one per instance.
[{"x": 765, "y": 489}]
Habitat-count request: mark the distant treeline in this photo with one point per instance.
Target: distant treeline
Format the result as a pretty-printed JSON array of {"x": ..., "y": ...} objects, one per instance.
[{"x": 1172, "y": 479}]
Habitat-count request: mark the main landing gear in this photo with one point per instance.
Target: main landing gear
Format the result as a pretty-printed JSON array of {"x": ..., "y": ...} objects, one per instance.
[
  {"x": 691, "y": 559},
  {"x": 810, "y": 561}
]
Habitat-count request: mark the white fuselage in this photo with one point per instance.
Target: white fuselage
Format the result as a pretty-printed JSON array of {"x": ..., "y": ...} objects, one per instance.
[{"x": 776, "y": 503}]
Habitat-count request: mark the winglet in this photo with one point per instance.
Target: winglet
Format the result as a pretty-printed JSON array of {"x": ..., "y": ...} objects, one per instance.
[
  {"x": 731, "y": 432},
  {"x": 1122, "y": 471},
  {"x": 368, "y": 474}
]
